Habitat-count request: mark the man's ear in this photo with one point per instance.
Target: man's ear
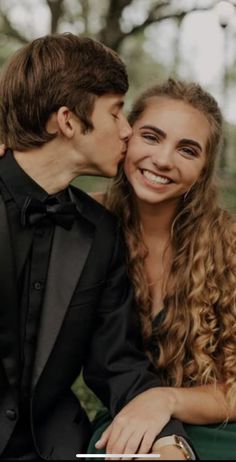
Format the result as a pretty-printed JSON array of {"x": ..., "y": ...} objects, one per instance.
[
  {"x": 63, "y": 121},
  {"x": 66, "y": 121}
]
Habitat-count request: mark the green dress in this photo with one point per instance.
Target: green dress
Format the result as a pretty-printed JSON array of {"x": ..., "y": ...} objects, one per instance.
[{"x": 211, "y": 442}]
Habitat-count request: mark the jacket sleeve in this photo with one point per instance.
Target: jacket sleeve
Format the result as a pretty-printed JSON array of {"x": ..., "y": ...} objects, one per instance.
[{"x": 116, "y": 368}]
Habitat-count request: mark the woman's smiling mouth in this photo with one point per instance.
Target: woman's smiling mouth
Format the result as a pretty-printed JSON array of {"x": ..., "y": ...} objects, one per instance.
[{"x": 155, "y": 178}]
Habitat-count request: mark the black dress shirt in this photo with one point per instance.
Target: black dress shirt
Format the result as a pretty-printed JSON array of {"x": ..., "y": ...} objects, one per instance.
[{"x": 32, "y": 248}]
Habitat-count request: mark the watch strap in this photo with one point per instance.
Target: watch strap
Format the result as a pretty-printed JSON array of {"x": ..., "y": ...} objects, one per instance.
[{"x": 178, "y": 441}]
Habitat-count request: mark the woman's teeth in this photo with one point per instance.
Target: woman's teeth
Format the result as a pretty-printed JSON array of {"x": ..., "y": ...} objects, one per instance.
[{"x": 156, "y": 179}]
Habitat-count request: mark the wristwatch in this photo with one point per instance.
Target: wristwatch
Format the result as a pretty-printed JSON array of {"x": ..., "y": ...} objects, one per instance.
[{"x": 179, "y": 442}]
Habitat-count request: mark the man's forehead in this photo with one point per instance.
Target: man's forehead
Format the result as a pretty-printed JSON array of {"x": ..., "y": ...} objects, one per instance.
[{"x": 112, "y": 100}]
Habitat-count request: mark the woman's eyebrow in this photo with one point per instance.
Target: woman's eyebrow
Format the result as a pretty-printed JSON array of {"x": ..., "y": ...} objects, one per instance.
[
  {"x": 161, "y": 133},
  {"x": 155, "y": 129},
  {"x": 192, "y": 142}
]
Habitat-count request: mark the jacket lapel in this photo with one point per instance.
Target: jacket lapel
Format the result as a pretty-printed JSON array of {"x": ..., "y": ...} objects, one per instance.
[
  {"x": 68, "y": 256},
  {"x": 9, "y": 334}
]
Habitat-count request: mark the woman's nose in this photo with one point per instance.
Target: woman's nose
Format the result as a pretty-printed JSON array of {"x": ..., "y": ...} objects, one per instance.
[{"x": 164, "y": 158}]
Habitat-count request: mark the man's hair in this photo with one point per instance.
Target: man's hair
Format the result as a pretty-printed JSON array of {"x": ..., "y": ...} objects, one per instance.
[{"x": 51, "y": 72}]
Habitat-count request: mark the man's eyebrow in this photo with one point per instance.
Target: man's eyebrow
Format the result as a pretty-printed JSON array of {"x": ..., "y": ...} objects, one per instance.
[{"x": 118, "y": 104}]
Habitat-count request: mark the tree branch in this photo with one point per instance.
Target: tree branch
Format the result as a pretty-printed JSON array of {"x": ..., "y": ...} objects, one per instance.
[
  {"x": 57, "y": 10},
  {"x": 111, "y": 32},
  {"x": 154, "y": 16},
  {"x": 8, "y": 29}
]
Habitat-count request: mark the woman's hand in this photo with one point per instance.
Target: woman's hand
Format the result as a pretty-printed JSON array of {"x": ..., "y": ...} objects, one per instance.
[{"x": 137, "y": 425}]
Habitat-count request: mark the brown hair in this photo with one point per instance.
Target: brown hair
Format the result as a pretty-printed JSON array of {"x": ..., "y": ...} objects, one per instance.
[
  {"x": 50, "y": 72},
  {"x": 196, "y": 339}
]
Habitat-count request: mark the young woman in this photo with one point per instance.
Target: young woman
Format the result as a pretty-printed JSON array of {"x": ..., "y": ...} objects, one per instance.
[{"x": 181, "y": 250}]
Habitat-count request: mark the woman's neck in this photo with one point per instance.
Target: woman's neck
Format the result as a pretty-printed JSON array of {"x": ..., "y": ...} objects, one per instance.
[{"x": 156, "y": 219}]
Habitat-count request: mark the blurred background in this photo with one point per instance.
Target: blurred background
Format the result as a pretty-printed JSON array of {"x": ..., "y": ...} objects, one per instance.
[{"x": 189, "y": 39}]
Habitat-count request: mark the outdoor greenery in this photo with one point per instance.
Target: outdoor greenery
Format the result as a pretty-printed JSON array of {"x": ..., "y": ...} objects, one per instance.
[
  {"x": 227, "y": 187},
  {"x": 137, "y": 29},
  {"x": 87, "y": 398},
  {"x": 228, "y": 193},
  {"x": 111, "y": 21}
]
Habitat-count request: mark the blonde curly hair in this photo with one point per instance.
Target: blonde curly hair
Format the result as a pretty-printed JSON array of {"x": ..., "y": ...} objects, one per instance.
[{"x": 195, "y": 342}]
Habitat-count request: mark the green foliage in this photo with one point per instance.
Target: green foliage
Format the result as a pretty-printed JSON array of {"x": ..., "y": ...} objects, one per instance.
[
  {"x": 143, "y": 69},
  {"x": 228, "y": 188},
  {"x": 228, "y": 193},
  {"x": 88, "y": 399},
  {"x": 91, "y": 183}
]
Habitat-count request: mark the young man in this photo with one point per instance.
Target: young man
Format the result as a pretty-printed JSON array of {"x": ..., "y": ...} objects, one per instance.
[{"x": 66, "y": 302}]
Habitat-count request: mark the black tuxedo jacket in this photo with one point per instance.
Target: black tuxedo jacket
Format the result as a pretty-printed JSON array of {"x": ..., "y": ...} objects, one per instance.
[{"x": 88, "y": 320}]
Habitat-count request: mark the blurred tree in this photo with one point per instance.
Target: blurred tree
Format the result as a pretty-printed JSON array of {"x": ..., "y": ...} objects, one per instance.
[
  {"x": 110, "y": 21},
  {"x": 121, "y": 24}
]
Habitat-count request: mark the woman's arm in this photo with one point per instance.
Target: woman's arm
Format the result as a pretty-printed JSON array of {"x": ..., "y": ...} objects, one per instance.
[{"x": 200, "y": 405}]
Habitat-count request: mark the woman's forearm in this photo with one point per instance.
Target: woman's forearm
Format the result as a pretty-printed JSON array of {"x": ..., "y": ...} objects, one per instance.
[{"x": 204, "y": 404}]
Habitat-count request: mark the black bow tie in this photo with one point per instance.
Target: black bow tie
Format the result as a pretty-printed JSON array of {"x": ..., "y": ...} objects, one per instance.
[{"x": 35, "y": 210}]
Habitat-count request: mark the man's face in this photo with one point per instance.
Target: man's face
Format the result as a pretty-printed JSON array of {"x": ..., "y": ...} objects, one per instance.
[{"x": 103, "y": 148}]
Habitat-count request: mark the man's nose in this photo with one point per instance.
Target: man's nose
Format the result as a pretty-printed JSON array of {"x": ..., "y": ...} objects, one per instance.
[{"x": 125, "y": 129}]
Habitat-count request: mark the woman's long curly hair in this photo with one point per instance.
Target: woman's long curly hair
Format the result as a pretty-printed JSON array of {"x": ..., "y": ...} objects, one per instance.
[{"x": 196, "y": 339}]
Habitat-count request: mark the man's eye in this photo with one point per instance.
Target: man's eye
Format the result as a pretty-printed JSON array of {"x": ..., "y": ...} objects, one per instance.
[{"x": 115, "y": 116}]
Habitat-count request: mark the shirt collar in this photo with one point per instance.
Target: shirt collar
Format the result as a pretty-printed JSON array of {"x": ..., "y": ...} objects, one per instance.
[{"x": 19, "y": 184}]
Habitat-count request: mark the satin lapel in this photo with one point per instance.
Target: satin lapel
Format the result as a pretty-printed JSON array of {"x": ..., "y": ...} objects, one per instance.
[
  {"x": 68, "y": 256},
  {"x": 9, "y": 341}
]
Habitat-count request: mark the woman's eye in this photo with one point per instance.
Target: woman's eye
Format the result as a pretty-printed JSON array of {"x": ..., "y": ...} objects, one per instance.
[
  {"x": 150, "y": 137},
  {"x": 189, "y": 151},
  {"x": 115, "y": 116}
]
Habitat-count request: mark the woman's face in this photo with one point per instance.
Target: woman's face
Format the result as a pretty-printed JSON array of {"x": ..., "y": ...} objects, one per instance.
[{"x": 167, "y": 150}]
